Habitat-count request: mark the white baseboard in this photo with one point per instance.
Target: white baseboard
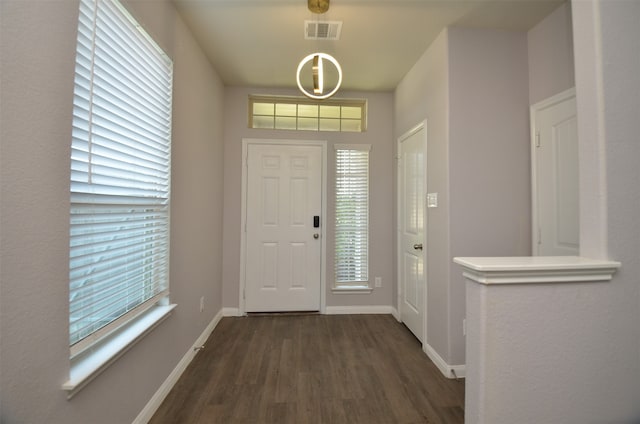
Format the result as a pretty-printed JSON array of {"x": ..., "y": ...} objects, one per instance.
[
  {"x": 369, "y": 309},
  {"x": 449, "y": 371},
  {"x": 336, "y": 310},
  {"x": 396, "y": 314},
  {"x": 156, "y": 400},
  {"x": 231, "y": 312}
]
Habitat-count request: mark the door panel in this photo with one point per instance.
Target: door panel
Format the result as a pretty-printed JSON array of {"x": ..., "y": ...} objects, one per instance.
[
  {"x": 283, "y": 259},
  {"x": 556, "y": 196},
  {"x": 269, "y": 265},
  {"x": 411, "y": 283},
  {"x": 412, "y": 243}
]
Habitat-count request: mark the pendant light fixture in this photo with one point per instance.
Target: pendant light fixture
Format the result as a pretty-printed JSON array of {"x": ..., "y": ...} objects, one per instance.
[
  {"x": 317, "y": 60},
  {"x": 318, "y": 6},
  {"x": 317, "y": 68},
  {"x": 318, "y": 75}
]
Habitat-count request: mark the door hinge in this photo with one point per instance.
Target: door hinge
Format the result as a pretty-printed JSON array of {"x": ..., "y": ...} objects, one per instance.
[
  {"x": 539, "y": 235},
  {"x": 538, "y": 138},
  {"x": 244, "y": 294}
]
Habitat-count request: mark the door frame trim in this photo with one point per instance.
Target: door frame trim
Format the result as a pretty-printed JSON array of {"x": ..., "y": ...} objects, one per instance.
[
  {"x": 533, "y": 111},
  {"x": 246, "y": 142},
  {"x": 420, "y": 126}
]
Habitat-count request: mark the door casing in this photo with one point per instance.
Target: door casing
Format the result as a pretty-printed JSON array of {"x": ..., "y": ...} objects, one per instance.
[{"x": 246, "y": 142}]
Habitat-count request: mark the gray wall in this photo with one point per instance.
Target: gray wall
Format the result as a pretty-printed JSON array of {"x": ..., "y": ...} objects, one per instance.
[
  {"x": 607, "y": 57},
  {"x": 489, "y": 159},
  {"x": 550, "y": 48},
  {"x": 621, "y": 87},
  {"x": 37, "y": 57},
  {"x": 424, "y": 94},
  {"x": 378, "y": 134},
  {"x": 471, "y": 87},
  {"x": 570, "y": 352}
]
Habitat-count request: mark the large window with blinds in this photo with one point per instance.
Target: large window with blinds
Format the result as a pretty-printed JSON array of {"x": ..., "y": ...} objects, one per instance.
[
  {"x": 352, "y": 215},
  {"x": 120, "y": 174}
]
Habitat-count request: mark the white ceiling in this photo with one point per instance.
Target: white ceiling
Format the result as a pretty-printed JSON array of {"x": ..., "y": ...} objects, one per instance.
[{"x": 260, "y": 42}]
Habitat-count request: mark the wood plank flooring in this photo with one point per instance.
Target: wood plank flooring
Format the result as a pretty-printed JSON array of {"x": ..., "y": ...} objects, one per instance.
[{"x": 312, "y": 369}]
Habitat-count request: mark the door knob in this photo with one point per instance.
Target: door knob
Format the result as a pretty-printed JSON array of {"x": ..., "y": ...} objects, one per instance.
[
  {"x": 417, "y": 246},
  {"x": 316, "y": 235}
]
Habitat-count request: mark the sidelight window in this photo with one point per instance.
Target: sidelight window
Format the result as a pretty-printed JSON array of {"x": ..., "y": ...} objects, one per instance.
[{"x": 352, "y": 216}]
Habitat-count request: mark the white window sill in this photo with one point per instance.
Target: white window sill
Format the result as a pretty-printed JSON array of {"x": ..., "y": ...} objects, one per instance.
[
  {"x": 352, "y": 290},
  {"x": 89, "y": 364}
]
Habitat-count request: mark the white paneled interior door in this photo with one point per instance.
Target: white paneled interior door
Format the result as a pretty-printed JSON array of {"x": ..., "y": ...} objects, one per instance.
[
  {"x": 556, "y": 193},
  {"x": 411, "y": 172},
  {"x": 283, "y": 248}
]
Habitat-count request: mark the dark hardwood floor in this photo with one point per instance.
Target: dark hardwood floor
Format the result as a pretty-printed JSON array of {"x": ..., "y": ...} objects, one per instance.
[{"x": 312, "y": 369}]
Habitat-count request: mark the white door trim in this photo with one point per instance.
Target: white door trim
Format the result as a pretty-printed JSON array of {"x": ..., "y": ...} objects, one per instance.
[
  {"x": 533, "y": 112},
  {"x": 421, "y": 126},
  {"x": 243, "y": 221}
]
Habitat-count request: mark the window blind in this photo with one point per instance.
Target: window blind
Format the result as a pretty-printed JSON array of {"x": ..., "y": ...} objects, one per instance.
[
  {"x": 120, "y": 173},
  {"x": 352, "y": 214}
]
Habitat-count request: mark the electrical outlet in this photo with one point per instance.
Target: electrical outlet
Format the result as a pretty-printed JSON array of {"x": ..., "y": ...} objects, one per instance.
[
  {"x": 202, "y": 304},
  {"x": 432, "y": 200},
  {"x": 378, "y": 281}
]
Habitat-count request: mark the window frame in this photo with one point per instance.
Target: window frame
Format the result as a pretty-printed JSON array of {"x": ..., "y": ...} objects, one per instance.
[
  {"x": 303, "y": 101},
  {"x": 120, "y": 188},
  {"x": 362, "y": 284}
]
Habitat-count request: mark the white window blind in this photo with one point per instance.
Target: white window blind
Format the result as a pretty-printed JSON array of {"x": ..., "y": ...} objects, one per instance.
[
  {"x": 352, "y": 214},
  {"x": 120, "y": 173}
]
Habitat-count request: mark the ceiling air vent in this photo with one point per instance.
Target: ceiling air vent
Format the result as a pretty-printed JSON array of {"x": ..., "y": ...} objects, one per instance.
[{"x": 322, "y": 30}]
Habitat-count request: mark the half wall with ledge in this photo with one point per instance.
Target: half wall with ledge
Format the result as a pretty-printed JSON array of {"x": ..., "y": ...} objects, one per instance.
[{"x": 532, "y": 336}]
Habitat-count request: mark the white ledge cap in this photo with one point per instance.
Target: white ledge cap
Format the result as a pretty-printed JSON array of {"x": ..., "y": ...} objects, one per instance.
[{"x": 536, "y": 269}]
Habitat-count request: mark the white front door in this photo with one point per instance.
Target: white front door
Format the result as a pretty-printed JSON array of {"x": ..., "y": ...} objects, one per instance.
[
  {"x": 283, "y": 248},
  {"x": 411, "y": 242},
  {"x": 555, "y": 152}
]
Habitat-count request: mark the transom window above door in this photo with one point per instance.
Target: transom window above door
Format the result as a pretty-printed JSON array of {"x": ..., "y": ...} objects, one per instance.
[{"x": 297, "y": 113}]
